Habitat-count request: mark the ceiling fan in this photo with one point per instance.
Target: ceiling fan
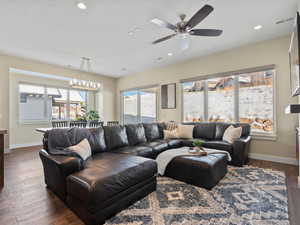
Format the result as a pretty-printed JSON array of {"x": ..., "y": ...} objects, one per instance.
[{"x": 185, "y": 28}]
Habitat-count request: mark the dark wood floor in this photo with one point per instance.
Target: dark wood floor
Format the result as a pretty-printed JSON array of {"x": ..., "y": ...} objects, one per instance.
[{"x": 25, "y": 200}]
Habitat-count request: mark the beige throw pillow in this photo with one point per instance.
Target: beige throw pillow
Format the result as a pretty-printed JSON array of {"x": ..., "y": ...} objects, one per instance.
[
  {"x": 232, "y": 133},
  {"x": 170, "y": 134},
  {"x": 83, "y": 149},
  {"x": 185, "y": 131}
]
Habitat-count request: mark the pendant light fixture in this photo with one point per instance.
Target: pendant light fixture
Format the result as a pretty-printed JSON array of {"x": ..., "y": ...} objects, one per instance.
[{"x": 85, "y": 65}]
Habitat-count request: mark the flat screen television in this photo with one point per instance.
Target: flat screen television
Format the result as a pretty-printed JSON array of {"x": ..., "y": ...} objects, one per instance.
[{"x": 294, "y": 58}]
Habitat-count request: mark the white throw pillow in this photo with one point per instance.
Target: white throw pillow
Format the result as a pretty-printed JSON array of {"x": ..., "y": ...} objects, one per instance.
[
  {"x": 185, "y": 131},
  {"x": 232, "y": 133},
  {"x": 83, "y": 149},
  {"x": 170, "y": 134}
]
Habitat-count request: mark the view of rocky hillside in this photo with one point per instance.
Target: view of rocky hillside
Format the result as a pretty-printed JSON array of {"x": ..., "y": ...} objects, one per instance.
[{"x": 255, "y": 101}]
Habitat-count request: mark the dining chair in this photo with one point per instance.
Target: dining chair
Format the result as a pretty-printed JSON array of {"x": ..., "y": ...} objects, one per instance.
[
  {"x": 112, "y": 123},
  {"x": 81, "y": 124},
  {"x": 60, "y": 124},
  {"x": 96, "y": 124}
]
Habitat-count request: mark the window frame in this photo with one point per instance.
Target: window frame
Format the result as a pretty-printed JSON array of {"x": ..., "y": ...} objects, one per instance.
[
  {"x": 45, "y": 105},
  {"x": 138, "y": 90},
  {"x": 257, "y": 135}
]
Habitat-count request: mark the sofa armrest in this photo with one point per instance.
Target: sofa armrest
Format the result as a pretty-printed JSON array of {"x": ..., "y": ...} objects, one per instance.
[
  {"x": 57, "y": 169},
  {"x": 240, "y": 153}
]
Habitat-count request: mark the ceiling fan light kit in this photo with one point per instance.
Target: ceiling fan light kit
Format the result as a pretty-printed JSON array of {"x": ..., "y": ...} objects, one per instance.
[{"x": 185, "y": 28}]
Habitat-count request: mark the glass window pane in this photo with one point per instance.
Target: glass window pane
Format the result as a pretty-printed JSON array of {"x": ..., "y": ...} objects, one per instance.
[
  {"x": 32, "y": 103},
  {"x": 130, "y": 99},
  {"x": 193, "y": 101},
  {"x": 221, "y": 99},
  {"x": 256, "y": 100},
  {"x": 148, "y": 105},
  {"x": 78, "y": 104},
  {"x": 59, "y": 103}
]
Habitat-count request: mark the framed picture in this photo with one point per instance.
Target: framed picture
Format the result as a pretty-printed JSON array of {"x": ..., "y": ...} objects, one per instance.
[
  {"x": 294, "y": 54},
  {"x": 168, "y": 96}
]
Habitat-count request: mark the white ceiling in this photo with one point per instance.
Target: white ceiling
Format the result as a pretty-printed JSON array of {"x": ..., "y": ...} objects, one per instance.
[{"x": 57, "y": 32}]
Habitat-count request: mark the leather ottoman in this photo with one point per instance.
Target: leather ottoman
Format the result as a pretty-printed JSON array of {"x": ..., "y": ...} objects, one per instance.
[
  {"x": 202, "y": 171},
  {"x": 109, "y": 183}
]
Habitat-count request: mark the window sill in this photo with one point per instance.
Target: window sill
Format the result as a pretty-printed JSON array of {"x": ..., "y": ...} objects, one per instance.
[{"x": 264, "y": 137}]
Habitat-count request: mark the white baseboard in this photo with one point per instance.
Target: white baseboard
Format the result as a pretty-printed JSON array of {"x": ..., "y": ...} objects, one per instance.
[
  {"x": 24, "y": 145},
  {"x": 285, "y": 160}
]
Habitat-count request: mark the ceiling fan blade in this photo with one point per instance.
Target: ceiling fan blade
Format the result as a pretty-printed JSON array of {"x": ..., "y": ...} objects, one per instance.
[
  {"x": 165, "y": 24},
  {"x": 164, "y": 38},
  {"x": 185, "y": 43},
  {"x": 206, "y": 32},
  {"x": 199, "y": 16}
]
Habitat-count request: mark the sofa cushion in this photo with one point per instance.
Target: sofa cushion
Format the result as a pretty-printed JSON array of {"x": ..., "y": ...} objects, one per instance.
[
  {"x": 106, "y": 175},
  {"x": 220, "y": 129},
  {"x": 115, "y": 137},
  {"x": 205, "y": 130},
  {"x": 161, "y": 127},
  {"x": 137, "y": 150},
  {"x": 97, "y": 140},
  {"x": 174, "y": 143},
  {"x": 151, "y": 131},
  {"x": 219, "y": 145},
  {"x": 58, "y": 138},
  {"x": 136, "y": 134},
  {"x": 63, "y": 138},
  {"x": 157, "y": 146}
]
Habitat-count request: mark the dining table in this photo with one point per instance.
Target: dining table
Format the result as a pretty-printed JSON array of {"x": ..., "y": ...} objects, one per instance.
[{"x": 45, "y": 129}]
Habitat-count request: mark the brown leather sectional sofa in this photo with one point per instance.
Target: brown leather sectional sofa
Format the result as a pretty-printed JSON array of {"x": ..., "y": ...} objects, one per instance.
[{"x": 121, "y": 170}]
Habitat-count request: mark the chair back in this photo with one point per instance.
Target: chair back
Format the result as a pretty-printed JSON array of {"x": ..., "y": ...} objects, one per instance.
[
  {"x": 81, "y": 124},
  {"x": 96, "y": 124},
  {"x": 112, "y": 123},
  {"x": 60, "y": 124}
]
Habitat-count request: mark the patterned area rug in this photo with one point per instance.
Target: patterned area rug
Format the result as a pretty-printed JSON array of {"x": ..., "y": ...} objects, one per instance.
[{"x": 247, "y": 195}]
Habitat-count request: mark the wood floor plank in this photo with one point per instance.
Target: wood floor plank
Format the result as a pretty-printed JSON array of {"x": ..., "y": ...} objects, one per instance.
[{"x": 26, "y": 201}]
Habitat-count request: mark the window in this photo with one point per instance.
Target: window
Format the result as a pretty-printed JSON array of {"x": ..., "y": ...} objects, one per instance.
[
  {"x": 220, "y": 93},
  {"x": 59, "y": 102},
  {"x": 241, "y": 97},
  {"x": 256, "y": 101},
  {"x": 193, "y": 101},
  {"x": 32, "y": 103},
  {"x": 148, "y": 106},
  {"x": 139, "y": 106},
  {"x": 130, "y": 99},
  {"x": 41, "y": 103},
  {"x": 78, "y": 103}
]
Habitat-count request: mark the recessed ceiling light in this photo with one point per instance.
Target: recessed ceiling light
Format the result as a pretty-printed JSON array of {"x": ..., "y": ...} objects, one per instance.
[
  {"x": 170, "y": 54},
  {"x": 258, "y": 27},
  {"x": 81, "y": 5}
]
